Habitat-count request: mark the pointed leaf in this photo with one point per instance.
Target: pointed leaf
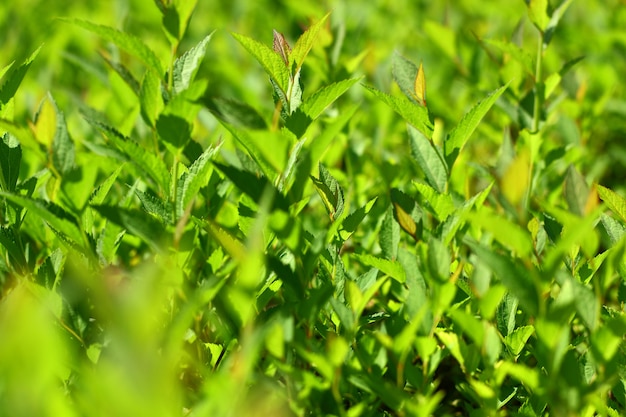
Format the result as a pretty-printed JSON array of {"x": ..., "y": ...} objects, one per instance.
[
  {"x": 62, "y": 146},
  {"x": 442, "y": 204},
  {"x": 269, "y": 60},
  {"x": 186, "y": 66},
  {"x": 53, "y": 215},
  {"x": 459, "y": 136},
  {"x": 150, "y": 163},
  {"x": 155, "y": 206},
  {"x": 253, "y": 186},
  {"x": 538, "y": 13},
  {"x": 429, "y": 159},
  {"x": 136, "y": 222},
  {"x": 404, "y": 73},
  {"x": 413, "y": 113},
  {"x": 151, "y": 98},
  {"x": 305, "y": 43},
  {"x": 126, "y": 41},
  {"x": 615, "y": 202},
  {"x": 14, "y": 79},
  {"x": 392, "y": 268},
  {"x": 281, "y": 47},
  {"x": 389, "y": 236},
  {"x": 197, "y": 177},
  {"x": 330, "y": 191},
  {"x": 325, "y": 96},
  {"x": 504, "y": 231},
  {"x": 10, "y": 160},
  {"x": 352, "y": 221},
  {"x": 576, "y": 191},
  {"x": 100, "y": 193},
  {"x": 518, "y": 281},
  {"x": 557, "y": 14}
]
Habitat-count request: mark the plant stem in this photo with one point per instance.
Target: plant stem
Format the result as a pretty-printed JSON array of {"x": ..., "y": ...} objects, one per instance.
[{"x": 538, "y": 103}]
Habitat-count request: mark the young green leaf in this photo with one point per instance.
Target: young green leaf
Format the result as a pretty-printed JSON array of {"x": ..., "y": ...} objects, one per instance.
[
  {"x": 176, "y": 16},
  {"x": 151, "y": 98},
  {"x": 150, "y": 163},
  {"x": 516, "y": 340},
  {"x": 576, "y": 191},
  {"x": 352, "y": 221},
  {"x": 459, "y": 136},
  {"x": 442, "y": 204},
  {"x": 518, "y": 281},
  {"x": 192, "y": 181},
  {"x": 269, "y": 60},
  {"x": 13, "y": 81},
  {"x": 126, "y": 41},
  {"x": 404, "y": 73},
  {"x": 186, "y": 66},
  {"x": 391, "y": 268},
  {"x": 136, "y": 222},
  {"x": 538, "y": 13},
  {"x": 429, "y": 159},
  {"x": 10, "y": 160},
  {"x": 155, "y": 206},
  {"x": 413, "y": 113},
  {"x": 305, "y": 43},
  {"x": 504, "y": 231},
  {"x": 615, "y": 202},
  {"x": 325, "y": 96},
  {"x": 63, "y": 152},
  {"x": 330, "y": 191}
]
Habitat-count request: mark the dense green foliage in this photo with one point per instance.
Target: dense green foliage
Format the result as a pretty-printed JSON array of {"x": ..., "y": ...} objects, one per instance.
[{"x": 321, "y": 208}]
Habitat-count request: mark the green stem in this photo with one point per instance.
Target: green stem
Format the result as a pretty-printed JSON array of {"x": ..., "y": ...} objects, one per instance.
[
  {"x": 174, "y": 187},
  {"x": 538, "y": 85}
]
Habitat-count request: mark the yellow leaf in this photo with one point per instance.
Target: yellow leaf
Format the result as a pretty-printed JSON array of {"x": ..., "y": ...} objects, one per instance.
[
  {"x": 46, "y": 124},
  {"x": 516, "y": 179},
  {"x": 420, "y": 86}
]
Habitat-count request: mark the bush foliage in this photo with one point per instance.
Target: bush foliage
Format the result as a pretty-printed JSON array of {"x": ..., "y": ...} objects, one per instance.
[{"x": 250, "y": 209}]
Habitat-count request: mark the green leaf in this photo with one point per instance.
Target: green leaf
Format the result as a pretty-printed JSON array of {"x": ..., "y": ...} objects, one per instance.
[
  {"x": 391, "y": 268},
  {"x": 100, "y": 193},
  {"x": 504, "y": 231},
  {"x": 407, "y": 213},
  {"x": 176, "y": 16},
  {"x": 253, "y": 186},
  {"x": 389, "y": 236},
  {"x": 557, "y": 14},
  {"x": 192, "y": 181},
  {"x": 136, "y": 222},
  {"x": 352, "y": 221},
  {"x": 53, "y": 215},
  {"x": 413, "y": 113},
  {"x": 404, "y": 73},
  {"x": 516, "y": 340},
  {"x": 238, "y": 114},
  {"x": 519, "y": 282},
  {"x": 269, "y": 60},
  {"x": 149, "y": 162},
  {"x": 13, "y": 81},
  {"x": 429, "y": 159},
  {"x": 155, "y": 206},
  {"x": 325, "y": 96},
  {"x": 576, "y": 191},
  {"x": 151, "y": 98},
  {"x": 10, "y": 160},
  {"x": 459, "y": 136},
  {"x": 186, "y": 66},
  {"x": 126, "y": 41},
  {"x": 330, "y": 191},
  {"x": 613, "y": 227},
  {"x": 538, "y": 13},
  {"x": 442, "y": 204},
  {"x": 268, "y": 149},
  {"x": 438, "y": 260},
  {"x": 615, "y": 202},
  {"x": 10, "y": 243},
  {"x": 233, "y": 246},
  {"x": 63, "y": 153},
  {"x": 305, "y": 43}
]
